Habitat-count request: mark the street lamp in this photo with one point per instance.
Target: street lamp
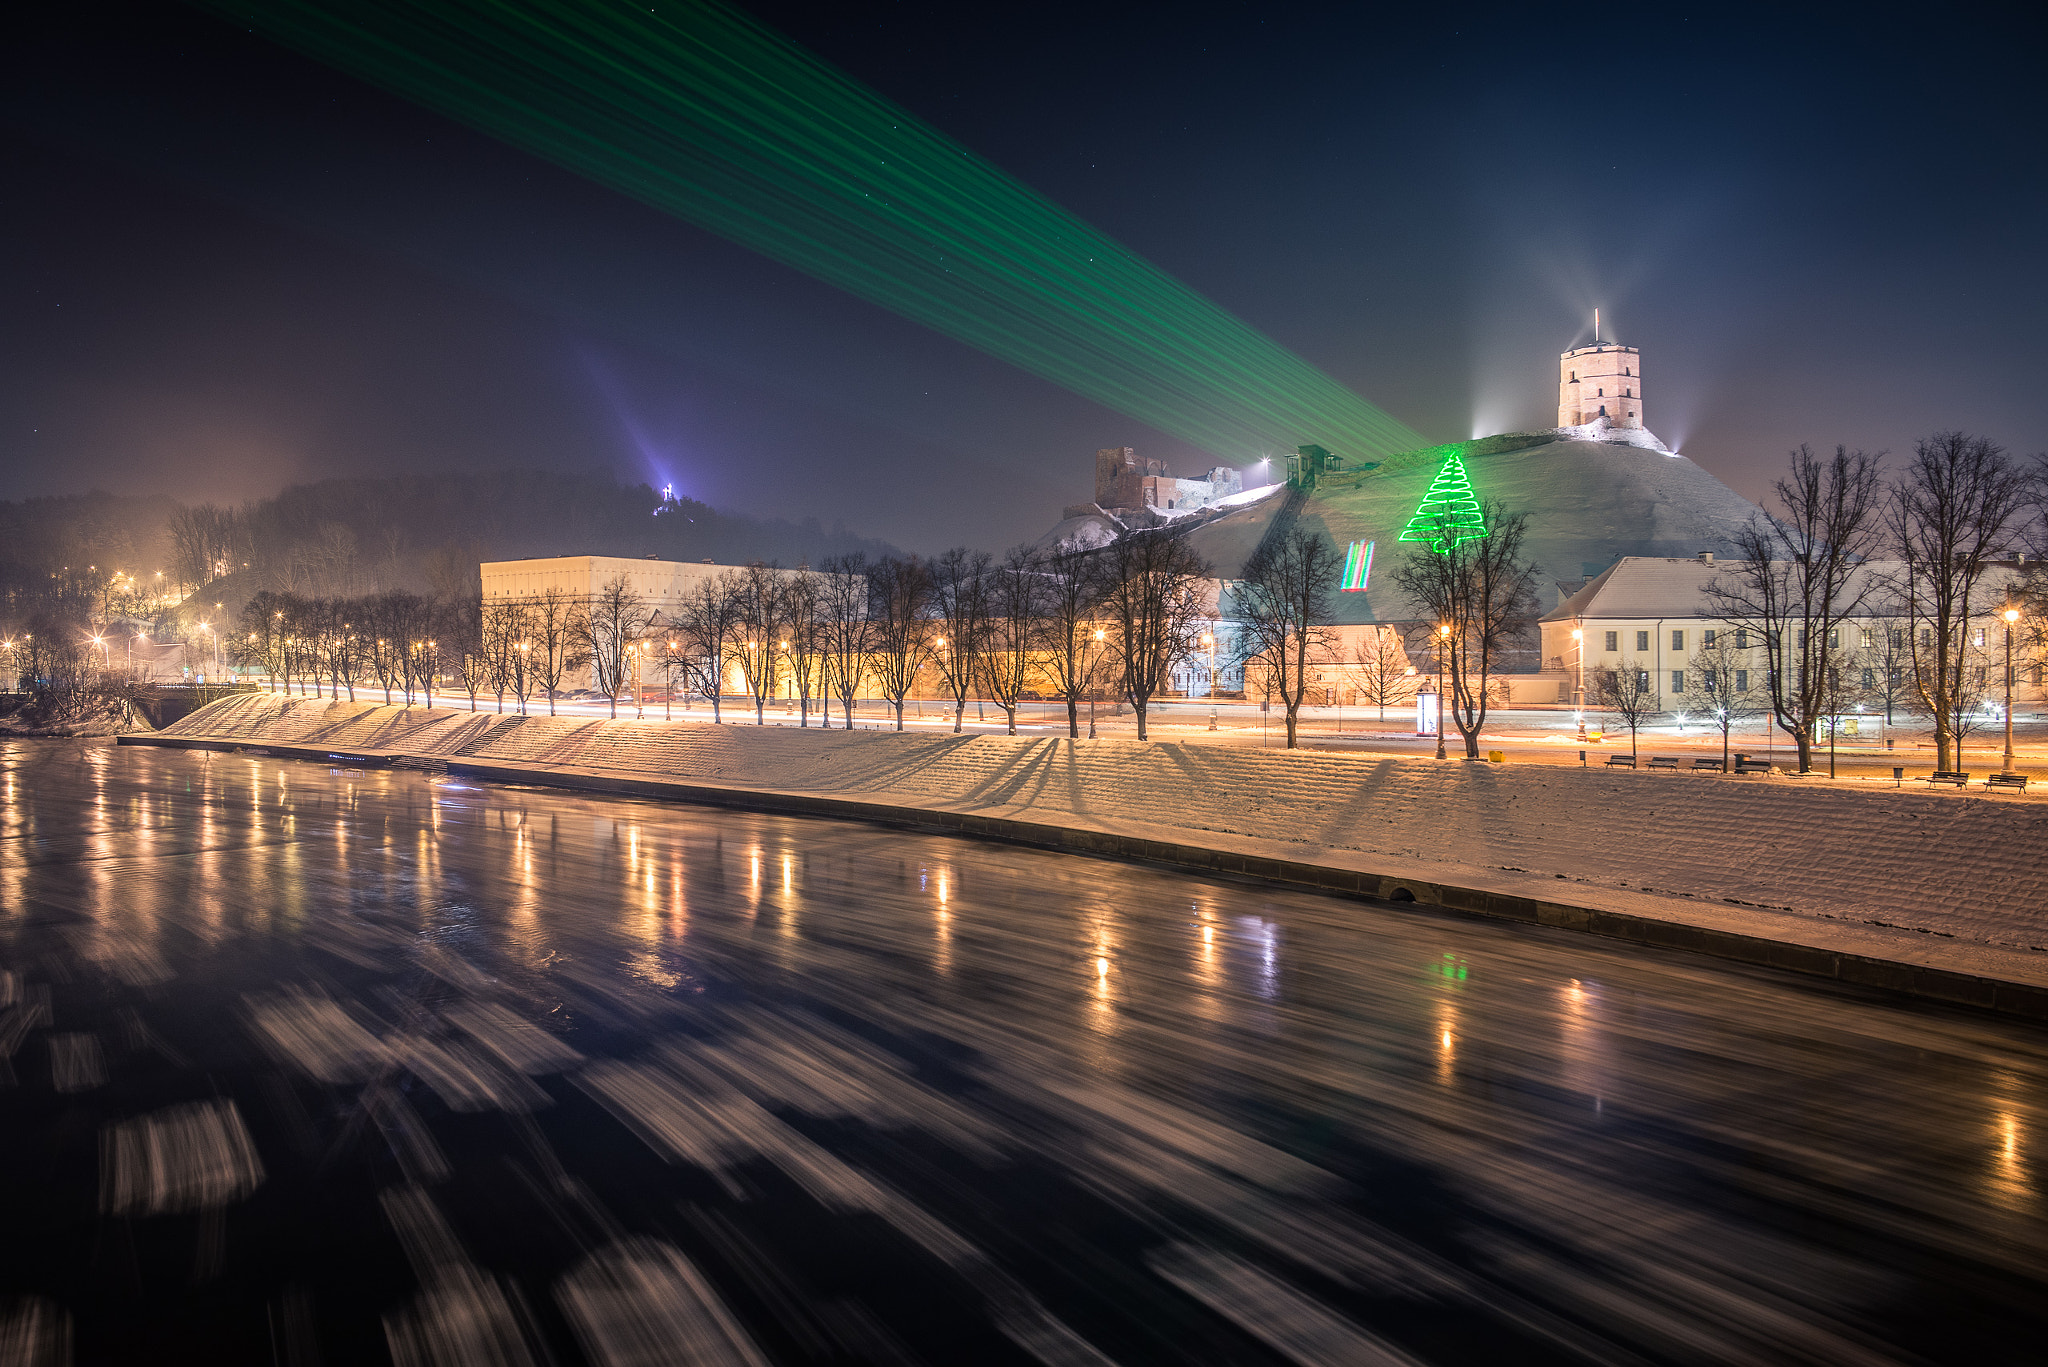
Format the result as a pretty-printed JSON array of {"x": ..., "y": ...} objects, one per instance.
[
  {"x": 2011, "y": 616},
  {"x": 1088, "y": 669},
  {"x": 1443, "y": 650},
  {"x": 1579, "y": 693}
]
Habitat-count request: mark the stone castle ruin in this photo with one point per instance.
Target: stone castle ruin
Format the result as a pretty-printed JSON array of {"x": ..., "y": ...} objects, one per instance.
[{"x": 1129, "y": 486}]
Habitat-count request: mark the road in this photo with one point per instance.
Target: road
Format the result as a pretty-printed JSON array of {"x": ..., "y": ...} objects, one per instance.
[{"x": 330, "y": 1065}]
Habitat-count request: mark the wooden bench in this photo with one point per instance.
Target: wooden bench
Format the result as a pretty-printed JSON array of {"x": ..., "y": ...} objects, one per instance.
[
  {"x": 2018, "y": 781},
  {"x": 1665, "y": 761},
  {"x": 1712, "y": 764},
  {"x": 1960, "y": 778},
  {"x": 1752, "y": 766},
  {"x": 1621, "y": 761}
]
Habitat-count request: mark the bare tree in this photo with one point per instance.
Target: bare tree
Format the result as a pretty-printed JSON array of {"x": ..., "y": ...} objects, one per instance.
[
  {"x": 843, "y": 635},
  {"x": 1629, "y": 692},
  {"x": 801, "y": 609},
  {"x": 705, "y": 626},
  {"x": 1890, "y": 654},
  {"x": 759, "y": 635},
  {"x": 1072, "y": 638},
  {"x": 1722, "y": 665},
  {"x": 1152, "y": 602},
  {"x": 1798, "y": 578},
  {"x": 1485, "y": 593},
  {"x": 503, "y": 628},
  {"x": 1380, "y": 664},
  {"x": 559, "y": 634},
  {"x": 899, "y": 600},
  {"x": 960, "y": 607},
  {"x": 464, "y": 632},
  {"x": 1282, "y": 605},
  {"x": 614, "y": 620},
  {"x": 1959, "y": 505},
  {"x": 1014, "y": 626}
]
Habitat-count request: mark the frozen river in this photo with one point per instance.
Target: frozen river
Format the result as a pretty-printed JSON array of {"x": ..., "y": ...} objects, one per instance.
[{"x": 321, "y": 1065}]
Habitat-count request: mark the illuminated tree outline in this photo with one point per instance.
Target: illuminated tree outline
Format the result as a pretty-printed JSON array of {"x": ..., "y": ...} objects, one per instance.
[{"x": 1449, "y": 514}]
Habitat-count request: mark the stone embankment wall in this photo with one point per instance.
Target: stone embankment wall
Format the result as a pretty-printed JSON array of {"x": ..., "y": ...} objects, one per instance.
[{"x": 1947, "y": 863}]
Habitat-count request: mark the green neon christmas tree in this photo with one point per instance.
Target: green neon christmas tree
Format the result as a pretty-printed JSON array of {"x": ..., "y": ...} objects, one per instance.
[{"x": 1449, "y": 514}]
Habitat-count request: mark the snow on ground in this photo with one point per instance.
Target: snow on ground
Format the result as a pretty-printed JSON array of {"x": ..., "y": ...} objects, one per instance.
[{"x": 1944, "y": 863}]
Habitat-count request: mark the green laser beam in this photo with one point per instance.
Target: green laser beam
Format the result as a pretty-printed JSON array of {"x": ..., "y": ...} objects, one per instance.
[{"x": 705, "y": 113}]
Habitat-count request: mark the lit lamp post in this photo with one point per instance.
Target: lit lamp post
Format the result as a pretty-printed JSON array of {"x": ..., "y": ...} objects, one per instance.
[
  {"x": 1579, "y": 692},
  {"x": 2011, "y": 616},
  {"x": 1209, "y": 644},
  {"x": 1443, "y": 650},
  {"x": 1088, "y": 669}
]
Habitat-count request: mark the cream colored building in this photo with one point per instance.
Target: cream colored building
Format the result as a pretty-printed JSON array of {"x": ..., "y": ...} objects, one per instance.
[
  {"x": 1651, "y": 614},
  {"x": 661, "y": 583}
]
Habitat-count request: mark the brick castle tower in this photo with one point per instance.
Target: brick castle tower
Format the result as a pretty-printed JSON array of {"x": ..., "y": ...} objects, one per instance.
[{"x": 1600, "y": 379}]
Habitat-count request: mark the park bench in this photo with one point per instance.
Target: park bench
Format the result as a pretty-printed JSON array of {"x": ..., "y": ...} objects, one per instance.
[
  {"x": 1752, "y": 766},
  {"x": 1712, "y": 764},
  {"x": 1960, "y": 778},
  {"x": 1665, "y": 761},
  {"x": 2018, "y": 781},
  {"x": 1621, "y": 761}
]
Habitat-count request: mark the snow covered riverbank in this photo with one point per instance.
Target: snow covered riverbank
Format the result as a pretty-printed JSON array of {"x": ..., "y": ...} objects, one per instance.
[{"x": 1943, "y": 863}]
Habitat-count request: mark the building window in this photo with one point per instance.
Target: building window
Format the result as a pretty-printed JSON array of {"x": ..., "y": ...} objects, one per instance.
[
  {"x": 1977, "y": 637},
  {"x": 1601, "y": 395},
  {"x": 1707, "y": 642},
  {"x": 1834, "y": 638},
  {"x": 1678, "y": 640},
  {"x": 1869, "y": 679},
  {"x": 1799, "y": 639},
  {"x": 1643, "y": 680},
  {"x": 1867, "y": 639},
  {"x": 1980, "y": 676},
  {"x": 1742, "y": 681},
  {"x": 1926, "y": 638},
  {"x": 1628, "y": 393},
  {"x": 1643, "y": 641},
  {"x": 1707, "y": 680},
  {"x": 1742, "y": 638},
  {"x": 1613, "y": 641},
  {"x": 1678, "y": 681}
]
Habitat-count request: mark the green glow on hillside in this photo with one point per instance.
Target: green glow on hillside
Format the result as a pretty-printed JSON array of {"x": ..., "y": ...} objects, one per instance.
[
  {"x": 1449, "y": 514},
  {"x": 708, "y": 115}
]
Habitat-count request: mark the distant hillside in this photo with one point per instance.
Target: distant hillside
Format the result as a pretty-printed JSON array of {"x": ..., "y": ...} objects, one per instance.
[{"x": 347, "y": 536}]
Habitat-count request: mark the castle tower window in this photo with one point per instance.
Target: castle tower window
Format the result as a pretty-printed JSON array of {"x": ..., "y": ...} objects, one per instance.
[{"x": 1601, "y": 395}]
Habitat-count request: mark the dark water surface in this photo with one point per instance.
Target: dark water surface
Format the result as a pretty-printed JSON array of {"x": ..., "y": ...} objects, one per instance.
[{"x": 313, "y": 1065}]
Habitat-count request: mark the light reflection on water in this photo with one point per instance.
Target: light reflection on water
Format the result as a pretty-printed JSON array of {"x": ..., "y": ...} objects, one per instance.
[{"x": 1116, "y": 1105}]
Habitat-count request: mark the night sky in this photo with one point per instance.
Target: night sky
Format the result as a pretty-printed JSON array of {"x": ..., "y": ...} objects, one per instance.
[{"x": 226, "y": 268}]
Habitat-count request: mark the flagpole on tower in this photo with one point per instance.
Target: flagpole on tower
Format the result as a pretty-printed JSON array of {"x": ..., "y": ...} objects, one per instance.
[{"x": 1596, "y": 325}]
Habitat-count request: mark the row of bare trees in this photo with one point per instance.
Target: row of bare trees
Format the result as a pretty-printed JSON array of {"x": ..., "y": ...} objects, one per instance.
[
  {"x": 1059, "y": 624},
  {"x": 1806, "y": 576}
]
